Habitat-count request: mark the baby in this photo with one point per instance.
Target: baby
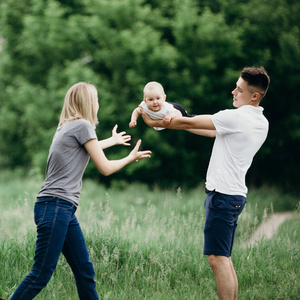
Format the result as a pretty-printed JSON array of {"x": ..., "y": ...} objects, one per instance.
[{"x": 156, "y": 107}]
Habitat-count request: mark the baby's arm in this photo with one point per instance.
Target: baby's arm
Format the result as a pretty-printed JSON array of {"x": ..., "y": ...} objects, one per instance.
[
  {"x": 167, "y": 119},
  {"x": 135, "y": 114}
]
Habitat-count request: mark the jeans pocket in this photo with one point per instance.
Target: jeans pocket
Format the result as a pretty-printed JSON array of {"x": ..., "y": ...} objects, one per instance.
[
  {"x": 237, "y": 205},
  {"x": 66, "y": 205},
  {"x": 218, "y": 203},
  {"x": 40, "y": 212}
]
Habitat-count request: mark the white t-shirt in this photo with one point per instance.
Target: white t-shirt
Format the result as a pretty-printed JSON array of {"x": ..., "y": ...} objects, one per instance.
[
  {"x": 166, "y": 109},
  {"x": 240, "y": 134}
]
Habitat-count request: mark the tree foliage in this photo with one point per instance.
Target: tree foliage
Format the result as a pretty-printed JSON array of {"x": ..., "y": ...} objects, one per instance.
[{"x": 196, "y": 49}]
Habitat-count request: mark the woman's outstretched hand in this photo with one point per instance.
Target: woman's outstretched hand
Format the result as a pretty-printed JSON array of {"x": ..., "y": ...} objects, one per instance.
[
  {"x": 120, "y": 138},
  {"x": 138, "y": 155}
]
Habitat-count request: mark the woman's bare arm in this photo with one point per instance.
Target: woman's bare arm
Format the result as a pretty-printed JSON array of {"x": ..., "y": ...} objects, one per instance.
[{"x": 108, "y": 167}]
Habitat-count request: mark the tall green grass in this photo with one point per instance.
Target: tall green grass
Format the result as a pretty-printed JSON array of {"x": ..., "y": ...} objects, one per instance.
[{"x": 147, "y": 244}]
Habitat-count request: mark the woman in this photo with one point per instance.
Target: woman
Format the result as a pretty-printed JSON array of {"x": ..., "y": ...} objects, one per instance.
[{"x": 58, "y": 230}]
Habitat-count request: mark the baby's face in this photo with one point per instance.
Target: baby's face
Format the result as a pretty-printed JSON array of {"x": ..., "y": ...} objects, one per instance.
[{"x": 155, "y": 99}]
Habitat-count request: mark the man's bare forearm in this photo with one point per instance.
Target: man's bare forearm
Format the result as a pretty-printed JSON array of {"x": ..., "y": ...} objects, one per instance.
[
  {"x": 203, "y": 132},
  {"x": 197, "y": 122}
]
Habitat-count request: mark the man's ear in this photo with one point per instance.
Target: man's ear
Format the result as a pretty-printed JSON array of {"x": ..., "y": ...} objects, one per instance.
[
  {"x": 165, "y": 97},
  {"x": 256, "y": 96}
]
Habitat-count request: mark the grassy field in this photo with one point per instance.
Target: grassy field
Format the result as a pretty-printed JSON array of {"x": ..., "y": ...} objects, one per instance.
[{"x": 147, "y": 243}]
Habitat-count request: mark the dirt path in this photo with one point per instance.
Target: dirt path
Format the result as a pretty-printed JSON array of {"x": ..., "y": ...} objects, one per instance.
[{"x": 268, "y": 229}]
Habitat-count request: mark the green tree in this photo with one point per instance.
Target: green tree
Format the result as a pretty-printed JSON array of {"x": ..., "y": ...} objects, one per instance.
[{"x": 196, "y": 49}]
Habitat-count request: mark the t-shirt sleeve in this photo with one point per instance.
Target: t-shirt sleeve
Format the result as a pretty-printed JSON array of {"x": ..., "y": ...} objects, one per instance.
[
  {"x": 226, "y": 121},
  {"x": 143, "y": 105},
  {"x": 85, "y": 132}
]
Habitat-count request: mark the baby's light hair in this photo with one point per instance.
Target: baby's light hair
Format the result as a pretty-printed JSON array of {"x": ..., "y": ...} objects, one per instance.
[
  {"x": 151, "y": 86},
  {"x": 80, "y": 103}
]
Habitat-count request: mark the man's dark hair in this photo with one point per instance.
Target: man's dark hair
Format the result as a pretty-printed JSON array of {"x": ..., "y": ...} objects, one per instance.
[{"x": 257, "y": 78}]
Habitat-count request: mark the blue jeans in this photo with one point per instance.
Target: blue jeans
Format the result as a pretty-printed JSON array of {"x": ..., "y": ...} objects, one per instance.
[{"x": 58, "y": 231}]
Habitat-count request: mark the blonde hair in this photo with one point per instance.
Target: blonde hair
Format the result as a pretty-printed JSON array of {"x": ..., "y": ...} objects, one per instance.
[
  {"x": 151, "y": 86},
  {"x": 80, "y": 102}
]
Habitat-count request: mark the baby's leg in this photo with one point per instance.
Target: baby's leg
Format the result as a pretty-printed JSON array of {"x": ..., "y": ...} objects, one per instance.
[{"x": 182, "y": 110}]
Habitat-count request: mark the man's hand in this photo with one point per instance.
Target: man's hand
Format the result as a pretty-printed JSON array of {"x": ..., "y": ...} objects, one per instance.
[
  {"x": 167, "y": 119},
  {"x": 149, "y": 121}
]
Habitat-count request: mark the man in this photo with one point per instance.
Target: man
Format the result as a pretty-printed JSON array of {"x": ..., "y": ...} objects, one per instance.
[{"x": 239, "y": 135}]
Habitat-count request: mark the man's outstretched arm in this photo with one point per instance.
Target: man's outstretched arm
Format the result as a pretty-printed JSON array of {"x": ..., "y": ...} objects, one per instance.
[{"x": 203, "y": 122}]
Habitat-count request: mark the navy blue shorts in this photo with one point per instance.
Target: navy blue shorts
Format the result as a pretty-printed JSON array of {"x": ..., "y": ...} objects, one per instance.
[
  {"x": 221, "y": 216},
  {"x": 182, "y": 110}
]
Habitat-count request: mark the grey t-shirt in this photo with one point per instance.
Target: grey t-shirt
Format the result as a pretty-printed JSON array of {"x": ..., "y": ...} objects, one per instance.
[{"x": 67, "y": 161}]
